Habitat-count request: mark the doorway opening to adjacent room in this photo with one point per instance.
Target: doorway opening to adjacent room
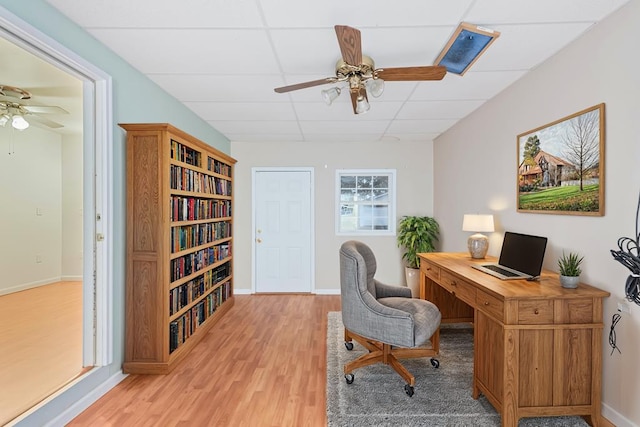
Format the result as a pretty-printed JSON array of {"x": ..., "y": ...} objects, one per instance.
[
  {"x": 283, "y": 237},
  {"x": 57, "y": 254}
]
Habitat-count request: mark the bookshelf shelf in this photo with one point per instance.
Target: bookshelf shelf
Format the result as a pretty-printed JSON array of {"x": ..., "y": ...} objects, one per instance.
[{"x": 179, "y": 244}]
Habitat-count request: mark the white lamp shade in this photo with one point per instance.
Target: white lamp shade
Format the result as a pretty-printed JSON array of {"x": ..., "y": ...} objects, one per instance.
[
  {"x": 478, "y": 223},
  {"x": 375, "y": 87},
  {"x": 19, "y": 122},
  {"x": 330, "y": 95},
  {"x": 362, "y": 105}
]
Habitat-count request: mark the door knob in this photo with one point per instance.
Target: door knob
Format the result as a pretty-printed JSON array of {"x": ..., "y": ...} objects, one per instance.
[{"x": 259, "y": 240}]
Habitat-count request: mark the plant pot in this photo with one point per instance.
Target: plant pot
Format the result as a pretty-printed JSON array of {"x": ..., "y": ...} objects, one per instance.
[
  {"x": 413, "y": 281},
  {"x": 569, "y": 282}
]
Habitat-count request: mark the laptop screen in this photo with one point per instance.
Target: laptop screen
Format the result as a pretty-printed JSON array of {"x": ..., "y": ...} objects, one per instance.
[{"x": 523, "y": 252}]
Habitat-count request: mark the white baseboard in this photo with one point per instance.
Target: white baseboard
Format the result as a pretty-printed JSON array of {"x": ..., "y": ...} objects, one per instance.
[
  {"x": 327, "y": 292},
  {"x": 25, "y": 286},
  {"x": 88, "y": 400},
  {"x": 615, "y": 417},
  {"x": 242, "y": 291},
  {"x": 71, "y": 278}
]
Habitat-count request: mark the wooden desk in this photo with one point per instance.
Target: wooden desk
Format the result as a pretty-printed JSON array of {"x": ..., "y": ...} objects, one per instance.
[{"x": 537, "y": 346}]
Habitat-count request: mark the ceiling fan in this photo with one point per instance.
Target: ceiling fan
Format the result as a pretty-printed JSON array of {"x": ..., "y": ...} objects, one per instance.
[
  {"x": 357, "y": 70},
  {"x": 14, "y": 109}
]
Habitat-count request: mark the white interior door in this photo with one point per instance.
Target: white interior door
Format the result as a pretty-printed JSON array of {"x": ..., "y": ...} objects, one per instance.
[{"x": 283, "y": 230}]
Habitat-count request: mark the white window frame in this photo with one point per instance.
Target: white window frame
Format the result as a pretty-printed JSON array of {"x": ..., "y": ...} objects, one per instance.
[{"x": 391, "y": 174}]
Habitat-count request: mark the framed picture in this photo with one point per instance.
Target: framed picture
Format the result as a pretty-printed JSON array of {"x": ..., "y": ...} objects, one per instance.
[{"x": 561, "y": 166}]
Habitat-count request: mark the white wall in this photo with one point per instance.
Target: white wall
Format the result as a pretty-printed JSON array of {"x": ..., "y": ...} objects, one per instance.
[
  {"x": 413, "y": 162},
  {"x": 44, "y": 172},
  {"x": 602, "y": 66},
  {"x": 31, "y": 179}
]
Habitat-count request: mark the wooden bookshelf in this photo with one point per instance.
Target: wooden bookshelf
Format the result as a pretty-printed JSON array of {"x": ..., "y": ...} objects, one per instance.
[{"x": 179, "y": 244}]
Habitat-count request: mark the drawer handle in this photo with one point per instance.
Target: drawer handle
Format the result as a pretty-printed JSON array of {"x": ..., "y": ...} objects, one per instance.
[
  {"x": 428, "y": 268},
  {"x": 486, "y": 303},
  {"x": 536, "y": 311},
  {"x": 453, "y": 283}
]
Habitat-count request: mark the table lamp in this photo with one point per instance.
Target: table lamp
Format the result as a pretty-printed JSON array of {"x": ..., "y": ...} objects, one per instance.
[{"x": 478, "y": 243}]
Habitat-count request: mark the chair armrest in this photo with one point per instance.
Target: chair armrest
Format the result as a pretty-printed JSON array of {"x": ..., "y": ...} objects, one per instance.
[{"x": 385, "y": 291}]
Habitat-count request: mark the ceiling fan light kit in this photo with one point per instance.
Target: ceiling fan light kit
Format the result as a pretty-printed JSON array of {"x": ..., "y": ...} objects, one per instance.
[
  {"x": 358, "y": 71},
  {"x": 12, "y": 108}
]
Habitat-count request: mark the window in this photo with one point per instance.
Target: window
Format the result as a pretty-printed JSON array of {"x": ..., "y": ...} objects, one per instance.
[{"x": 366, "y": 202}]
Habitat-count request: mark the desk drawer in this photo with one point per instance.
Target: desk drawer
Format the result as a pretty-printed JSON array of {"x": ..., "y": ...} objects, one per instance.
[
  {"x": 458, "y": 287},
  {"x": 535, "y": 312},
  {"x": 432, "y": 271},
  {"x": 490, "y": 304}
]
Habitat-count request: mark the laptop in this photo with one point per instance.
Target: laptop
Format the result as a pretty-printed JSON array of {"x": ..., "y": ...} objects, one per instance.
[{"x": 521, "y": 257}]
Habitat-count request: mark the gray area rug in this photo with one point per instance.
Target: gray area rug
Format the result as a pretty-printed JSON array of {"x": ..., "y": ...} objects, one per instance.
[{"x": 442, "y": 396}]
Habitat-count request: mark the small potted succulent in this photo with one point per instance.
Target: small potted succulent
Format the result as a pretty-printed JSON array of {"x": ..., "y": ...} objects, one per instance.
[{"x": 570, "y": 270}]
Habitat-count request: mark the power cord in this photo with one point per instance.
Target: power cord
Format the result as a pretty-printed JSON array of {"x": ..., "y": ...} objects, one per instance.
[
  {"x": 612, "y": 332},
  {"x": 628, "y": 254}
]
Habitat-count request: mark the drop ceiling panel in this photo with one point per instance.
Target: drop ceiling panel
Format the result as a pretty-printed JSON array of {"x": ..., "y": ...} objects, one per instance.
[
  {"x": 539, "y": 11},
  {"x": 264, "y": 127},
  {"x": 162, "y": 13},
  {"x": 437, "y": 109},
  {"x": 242, "y": 110},
  {"x": 219, "y": 88},
  {"x": 336, "y": 137},
  {"x": 373, "y": 13},
  {"x": 405, "y": 47},
  {"x": 261, "y": 137},
  {"x": 330, "y": 127},
  {"x": 420, "y": 126},
  {"x": 471, "y": 86},
  {"x": 410, "y": 136},
  {"x": 192, "y": 51},
  {"x": 527, "y": 45},
  {"x": 343, "y": 111},
  {"x": 307, "y": 51}
]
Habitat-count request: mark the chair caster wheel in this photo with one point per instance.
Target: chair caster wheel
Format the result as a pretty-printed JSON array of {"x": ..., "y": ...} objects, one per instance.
[
  {"x": 435, "y": 363},
  {"x": 349, "y": 345},
  {"x": 349, "y": 378},
  {"x": 408, "y": 389}
]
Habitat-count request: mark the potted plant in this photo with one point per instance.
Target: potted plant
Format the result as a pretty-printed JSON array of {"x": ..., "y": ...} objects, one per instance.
[
  {"x": 416, "y": 234},
  {"x": 570, "y": 270}
]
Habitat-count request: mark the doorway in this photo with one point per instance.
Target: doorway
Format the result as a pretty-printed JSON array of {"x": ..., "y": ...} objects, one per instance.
[
  {"x": 283, "y": 230},
  {"x": 60, "y": 195}
]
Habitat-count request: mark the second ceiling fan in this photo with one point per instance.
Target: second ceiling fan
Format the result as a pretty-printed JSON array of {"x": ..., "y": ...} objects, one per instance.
[{"x": 359, "y": 73}]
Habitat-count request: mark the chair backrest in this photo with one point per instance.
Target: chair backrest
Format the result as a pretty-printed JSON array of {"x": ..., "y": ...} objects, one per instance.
[
  {"x": 357, "y": 264},
  {"x": 357, "y": 286}
]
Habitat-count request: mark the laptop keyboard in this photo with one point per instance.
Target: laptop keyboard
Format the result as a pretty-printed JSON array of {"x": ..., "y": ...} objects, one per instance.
[{"x": 501, "y": 270}]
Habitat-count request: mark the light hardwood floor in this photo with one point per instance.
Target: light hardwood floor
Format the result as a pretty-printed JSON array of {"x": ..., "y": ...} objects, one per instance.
[
  {"x": 263, "y": 364},
  {"x": 40, "y": 344}
]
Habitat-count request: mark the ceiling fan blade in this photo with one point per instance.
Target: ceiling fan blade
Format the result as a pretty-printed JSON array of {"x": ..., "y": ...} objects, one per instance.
[
  {"x": 297, "y": 86},
  {"x": 354, "y": 100},
  {"x": 431, "y": 72},
  {"x": 350, "y": 44},
  {"x": 355, "y": 93},
  {"x": 36, "y": 120},
  {"x": 45, "y": 109}
]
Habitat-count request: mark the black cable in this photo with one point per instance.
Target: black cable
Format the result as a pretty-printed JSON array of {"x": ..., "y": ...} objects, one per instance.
[
  {"x": 628, "y": 254},
  {"x": 612, "y": 333}
]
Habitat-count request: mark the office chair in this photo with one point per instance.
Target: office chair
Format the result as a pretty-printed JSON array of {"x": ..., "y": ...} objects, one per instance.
[{"x": 383, "y": 319}]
